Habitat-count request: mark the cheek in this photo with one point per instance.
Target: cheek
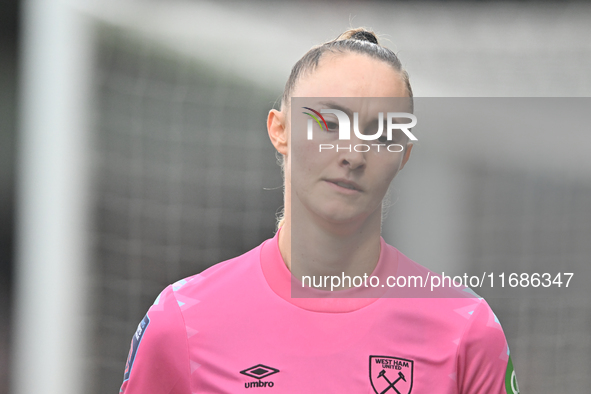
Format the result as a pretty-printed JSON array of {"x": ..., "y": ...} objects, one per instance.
[
  {"x": 386, "y": 169},
  {"x": 306, "y": 160}
]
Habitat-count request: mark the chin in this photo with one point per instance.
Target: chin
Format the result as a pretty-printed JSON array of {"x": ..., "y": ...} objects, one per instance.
[{"x": 343, "y": 216}]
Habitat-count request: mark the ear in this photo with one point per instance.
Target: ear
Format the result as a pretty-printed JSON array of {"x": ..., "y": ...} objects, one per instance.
[
  {"x": 406, "y": 155},
  {"x": 277, "y": 130}
]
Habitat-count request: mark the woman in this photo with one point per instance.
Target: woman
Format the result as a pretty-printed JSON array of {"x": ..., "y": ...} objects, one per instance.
[{"x": 262, "y": 320}]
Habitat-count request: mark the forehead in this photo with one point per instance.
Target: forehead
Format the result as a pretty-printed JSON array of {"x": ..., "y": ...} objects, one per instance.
[{"x": 351, "y": 75}]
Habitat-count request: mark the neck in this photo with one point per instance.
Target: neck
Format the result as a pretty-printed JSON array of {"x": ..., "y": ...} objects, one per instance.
[{"x": 313, "y": 247}]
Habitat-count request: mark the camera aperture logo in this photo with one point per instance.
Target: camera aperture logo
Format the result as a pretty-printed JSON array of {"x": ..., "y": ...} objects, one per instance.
[{"x": 382, "y": 141}]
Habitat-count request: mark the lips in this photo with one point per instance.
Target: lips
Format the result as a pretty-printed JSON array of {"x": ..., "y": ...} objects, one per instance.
[{"x": 345, "y": 183}]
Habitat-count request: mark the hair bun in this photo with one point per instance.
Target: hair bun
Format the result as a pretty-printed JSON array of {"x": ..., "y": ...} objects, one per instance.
[
  {"x": 365, "y": 36},
  {"x": 359, "y": 34}
]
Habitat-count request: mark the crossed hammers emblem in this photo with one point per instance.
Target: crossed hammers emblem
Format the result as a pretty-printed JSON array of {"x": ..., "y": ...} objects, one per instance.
[{"x": 391, "y": 385}]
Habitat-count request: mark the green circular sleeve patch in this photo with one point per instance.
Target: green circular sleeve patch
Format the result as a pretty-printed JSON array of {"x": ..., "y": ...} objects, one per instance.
[{"x": 510, "y": 379}]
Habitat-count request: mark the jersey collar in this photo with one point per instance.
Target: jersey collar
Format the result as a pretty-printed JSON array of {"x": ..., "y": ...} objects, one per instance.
[{"x": 280, "y": 280}]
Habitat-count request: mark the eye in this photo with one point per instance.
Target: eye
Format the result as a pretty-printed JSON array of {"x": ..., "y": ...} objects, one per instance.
[
  {"x": 332, "y": 126},
  {"x": 398, "y": 137},
  {"x": 384, "y": 140}
]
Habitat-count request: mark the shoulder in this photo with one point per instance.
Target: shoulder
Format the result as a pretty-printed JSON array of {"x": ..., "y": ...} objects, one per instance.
[
  {"x": 158, "y": 361},
  {"x": 483, "y": 362},
  {"x": 224, "y": 286},
  {"x": 228, "y": 275},
  {"x": 483, "y": 357},
  {"x": 417, "y": 281}
]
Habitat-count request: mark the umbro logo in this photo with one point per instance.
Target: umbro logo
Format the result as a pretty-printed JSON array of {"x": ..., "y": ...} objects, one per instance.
[{"x": 259, "y": 372}]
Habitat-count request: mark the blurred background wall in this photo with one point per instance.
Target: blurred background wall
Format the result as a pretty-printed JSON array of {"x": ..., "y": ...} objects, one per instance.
[{"x": 180, "y": 174}]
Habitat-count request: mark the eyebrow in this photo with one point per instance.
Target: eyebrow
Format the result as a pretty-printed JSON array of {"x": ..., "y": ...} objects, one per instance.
[
  {"x": 346, "y": 110},
  {"x": 334, "y": 105}
]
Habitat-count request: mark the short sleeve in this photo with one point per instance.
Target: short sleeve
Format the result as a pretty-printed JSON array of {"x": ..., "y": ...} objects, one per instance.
[
  {"x": 158, "y": 360},
  {"x": 484, "y": 362}
]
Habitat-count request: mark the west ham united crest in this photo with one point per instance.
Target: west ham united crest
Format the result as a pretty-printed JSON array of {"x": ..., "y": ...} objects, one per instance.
[{"x": 390, "y": 375}]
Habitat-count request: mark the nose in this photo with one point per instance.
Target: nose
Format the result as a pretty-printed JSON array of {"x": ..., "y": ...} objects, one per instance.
[{"x": 353, "y": 158}]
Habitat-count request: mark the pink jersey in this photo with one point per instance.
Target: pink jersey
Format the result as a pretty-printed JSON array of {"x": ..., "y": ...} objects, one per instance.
[{"x": 234, "y": 328}]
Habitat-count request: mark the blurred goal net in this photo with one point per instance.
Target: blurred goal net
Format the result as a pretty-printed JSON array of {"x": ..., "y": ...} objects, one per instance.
[{"x": 185, "y": 177}]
